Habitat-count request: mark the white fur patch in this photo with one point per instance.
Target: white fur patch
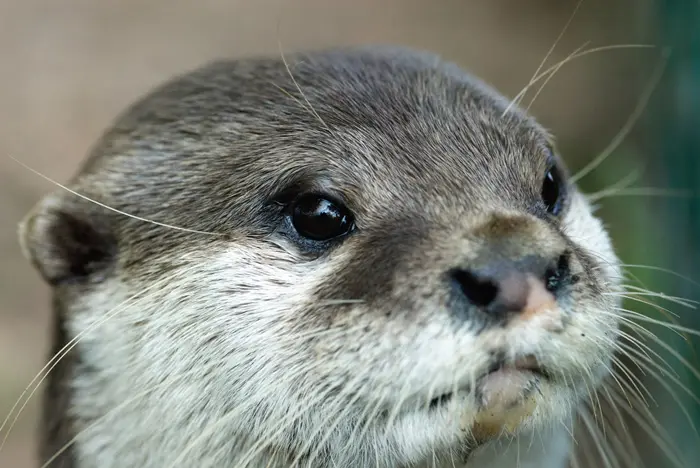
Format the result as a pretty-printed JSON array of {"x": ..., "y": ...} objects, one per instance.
[
  {"x": 208, "y": 368},
  {"x": 184, "y": 360}
]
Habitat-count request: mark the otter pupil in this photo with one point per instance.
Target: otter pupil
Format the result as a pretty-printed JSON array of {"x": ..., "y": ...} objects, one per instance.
[
  {"x": 318, "y": 218},
  {"x": 551, "y": 192}
]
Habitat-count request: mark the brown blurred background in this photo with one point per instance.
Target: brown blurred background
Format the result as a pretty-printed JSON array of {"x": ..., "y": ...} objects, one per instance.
[{"x": 69, "y": 66}]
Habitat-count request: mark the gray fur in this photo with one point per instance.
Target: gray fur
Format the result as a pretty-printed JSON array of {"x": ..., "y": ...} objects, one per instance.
[{"x": 437, "y": 177}]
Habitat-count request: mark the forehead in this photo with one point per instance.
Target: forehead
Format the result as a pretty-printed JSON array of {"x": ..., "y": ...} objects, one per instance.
[
  {"x": 372, "y": 126},
  {"x": 390, "y": 125}
]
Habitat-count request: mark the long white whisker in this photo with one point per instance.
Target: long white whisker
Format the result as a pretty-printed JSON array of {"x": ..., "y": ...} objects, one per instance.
[
  {"x": 65, "y": 350},
  {"x": 568, "y": 59},
  {"x": 551, "y": 49},
  {"x": 107, "y": 207},
  {"x": 627, "y": 127},
  {"x": 621, "y": 184},
  {"x": 641, "y": 192},
  {"x": 666, "y": 446},
  {"x": 289, "y": 72}
]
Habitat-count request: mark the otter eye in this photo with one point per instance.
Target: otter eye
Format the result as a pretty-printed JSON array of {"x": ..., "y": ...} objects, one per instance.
[
  {"x": 552, "y": 191},
  {"x": 318, "y": 218}
]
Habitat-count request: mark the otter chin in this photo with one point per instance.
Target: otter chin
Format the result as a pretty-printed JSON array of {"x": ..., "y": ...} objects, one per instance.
[
  {"x": 367, "y": 258},
  {"x": 507, "y": 400}
]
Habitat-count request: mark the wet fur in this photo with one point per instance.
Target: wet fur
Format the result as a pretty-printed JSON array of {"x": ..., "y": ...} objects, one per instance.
[{"x": 230, "y": 332}]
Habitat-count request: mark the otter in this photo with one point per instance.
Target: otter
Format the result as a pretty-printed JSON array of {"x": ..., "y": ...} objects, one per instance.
[{"x": 360, "y": 257}]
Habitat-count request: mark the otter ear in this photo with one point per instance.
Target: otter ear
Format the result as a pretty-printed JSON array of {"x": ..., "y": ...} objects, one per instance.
[{"x": 64, "y": 243}]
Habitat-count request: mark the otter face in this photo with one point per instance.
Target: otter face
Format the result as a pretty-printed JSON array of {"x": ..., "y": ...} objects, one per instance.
[{"x": 387, "y": 268}]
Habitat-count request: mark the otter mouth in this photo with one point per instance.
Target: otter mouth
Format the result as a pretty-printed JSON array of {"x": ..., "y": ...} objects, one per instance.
[{"x": 504, "y": 380}]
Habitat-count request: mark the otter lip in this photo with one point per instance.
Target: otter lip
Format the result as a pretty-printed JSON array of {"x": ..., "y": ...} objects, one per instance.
[{"x": 524, "y": 364}]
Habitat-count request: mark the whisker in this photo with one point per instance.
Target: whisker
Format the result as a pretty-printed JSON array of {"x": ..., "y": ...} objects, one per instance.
[
  {"x": 554, "y": 46},
  {"x": 552, "y": 75},
  {"x": 211, "y": 429},
  {"x": 670, "y": 326},
  {"x": 107, "y": 207},
  {"x": 288, "y": 94},
  {"x": 64, "y": 351},
  {"x": 374, "y": 414},
  {"x": 666, "y": 446},
  {"x": 633, "y": 383},
  {"x": 257, "y": 448},
  {"x": 595, "y": 400},
  {"x": 668, "y": 388},
  {"x": 641, "y": 346},
  {"x": 112, "y": 412},
  {"x": 341, "y": 301},
  {"x": 627, "y": 127},
  {"x": 621, "y": 184},
  {"x": 363, "y": 417},
  {"x": 598, "y": 441},
  {"x": 617, "y": 447},
  {"x": 568, "y": 59},
  {"x": 348, "y": 406},
  {"x": 663, "y": 311},
  {"x": 641, "y": 192},
  {"x": 637, "y": 291},
  {"x": 289, "y": 72},
  {"x": 637, "y": 463},
  {"x": 645, "y": 348},
  {"x": 662, "y": 270},
  {"x": 657, "y": 307},
  {"x": 403, "y": 396}
]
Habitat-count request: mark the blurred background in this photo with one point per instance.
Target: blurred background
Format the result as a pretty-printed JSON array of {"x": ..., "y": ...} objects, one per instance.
[{"x": 69, "y": 66}]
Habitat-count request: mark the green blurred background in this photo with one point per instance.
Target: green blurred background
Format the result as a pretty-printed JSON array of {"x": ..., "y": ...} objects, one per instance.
[{"x": 68, "y": 66}]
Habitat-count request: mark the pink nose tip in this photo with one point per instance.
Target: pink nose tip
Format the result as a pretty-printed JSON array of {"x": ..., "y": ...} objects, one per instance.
[{"x": 517, "y": 288}]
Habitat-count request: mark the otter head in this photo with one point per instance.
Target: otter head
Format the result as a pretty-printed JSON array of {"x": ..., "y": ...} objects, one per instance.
[{"x": 366, "y": 259}]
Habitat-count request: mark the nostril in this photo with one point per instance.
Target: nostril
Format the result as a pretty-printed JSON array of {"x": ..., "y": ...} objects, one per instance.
[
  {"x": 480, "y": 291},
  {"x": 507, "y": 287},
  {"x": 555, "y": 275}
]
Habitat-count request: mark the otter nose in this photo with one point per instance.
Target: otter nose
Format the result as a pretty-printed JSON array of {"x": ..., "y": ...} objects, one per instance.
[{"x": 506, "y": 288}]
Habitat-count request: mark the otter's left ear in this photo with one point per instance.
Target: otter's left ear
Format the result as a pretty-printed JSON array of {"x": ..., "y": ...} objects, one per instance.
[{"x": 65, "y": 243}]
